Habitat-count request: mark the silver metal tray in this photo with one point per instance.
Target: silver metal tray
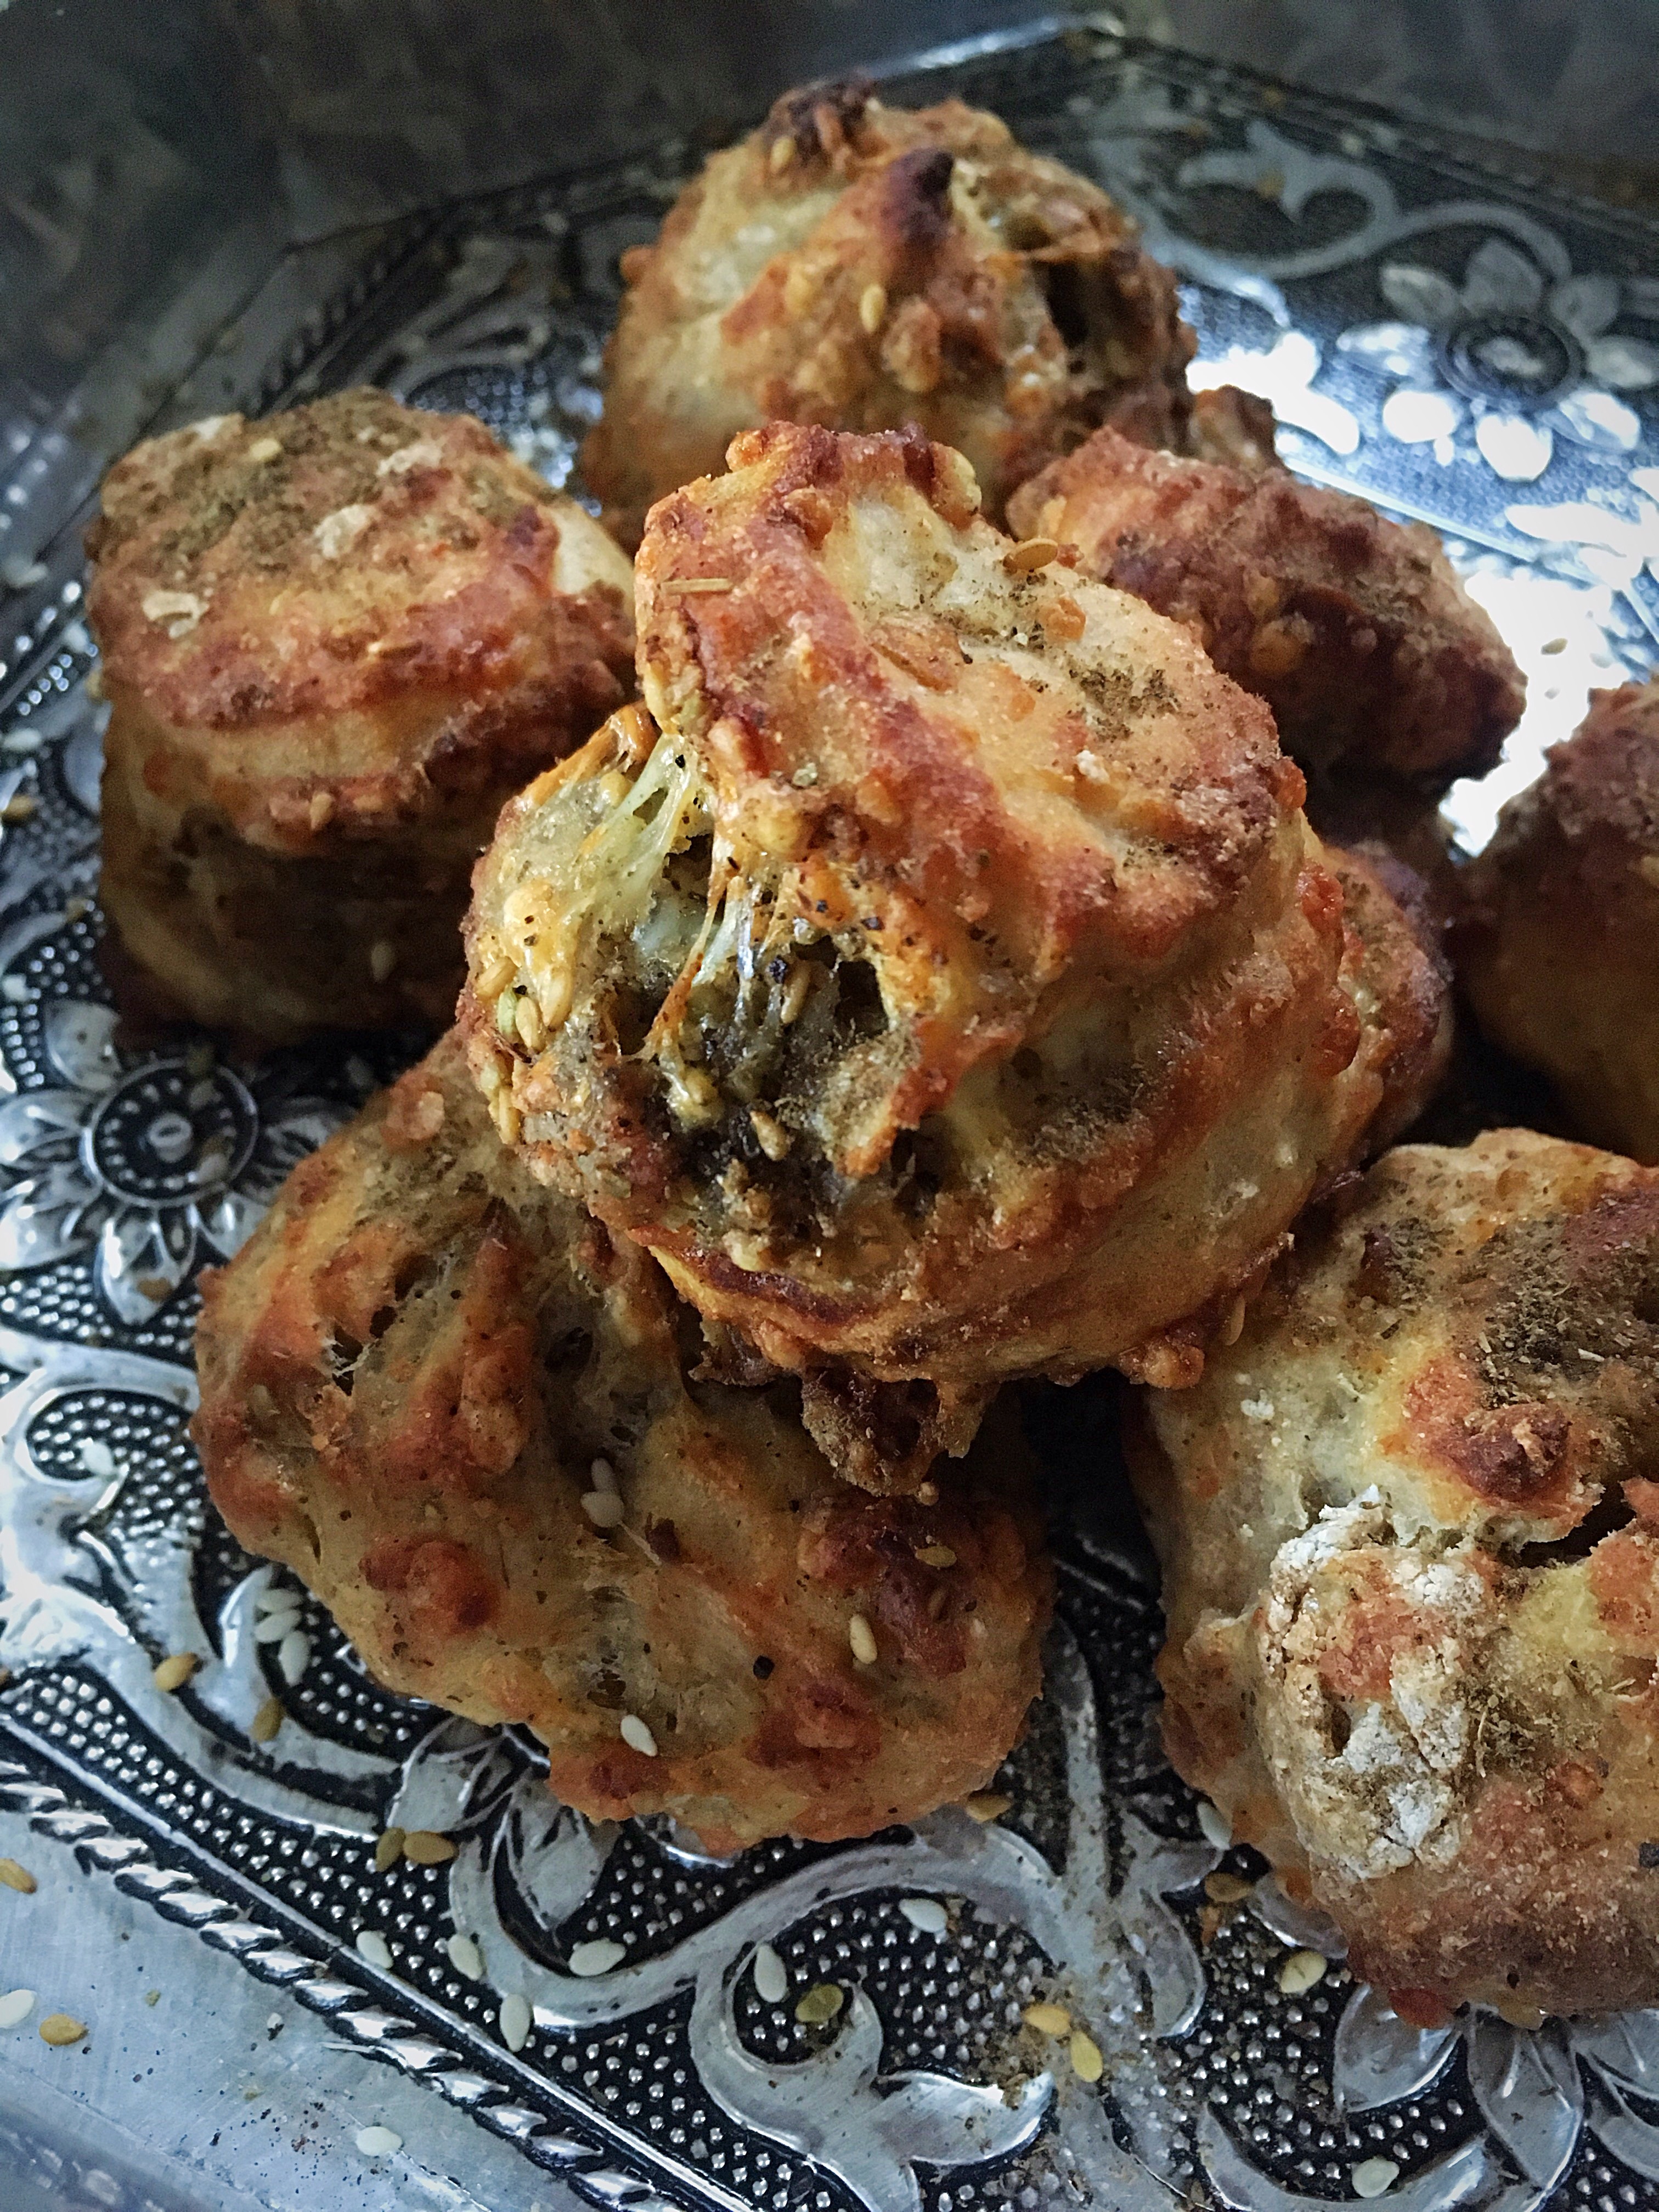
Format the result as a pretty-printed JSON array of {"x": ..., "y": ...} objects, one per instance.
[{"x": 1451, "y": 347}]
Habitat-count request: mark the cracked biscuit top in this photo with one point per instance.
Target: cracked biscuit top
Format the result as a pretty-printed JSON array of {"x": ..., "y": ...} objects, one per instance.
[
  {"x": 941, "y": 976},
  {"x": 1410, "y": 1530},
  {"x": 863, "y": 267}
]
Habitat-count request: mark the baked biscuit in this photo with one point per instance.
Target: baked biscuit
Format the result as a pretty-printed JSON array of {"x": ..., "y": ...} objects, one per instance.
[
  {"x": 1356, "y": 631},
  {"x": 1410, "y": 1532},
  {"x": 333, "y": 642},
  {"x": 865, "y": 267},
  {"x": 952, "y": 990},
  {"x": 1558, "y": 940},
  {"x": 443, "y": 1397}
]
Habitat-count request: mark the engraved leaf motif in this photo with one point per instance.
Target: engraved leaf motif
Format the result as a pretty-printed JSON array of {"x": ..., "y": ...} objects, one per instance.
[
  {"x": 38, "y": 1121},
  {"x": 553, "y": 1854},
  {"x": 1379, "y": 2058},
  {"x": 943, "y": 2122},
  {"x": 1624, "y": 2049},
  {"x": 1500, "y": 279},
  {"x": 1627, "y": 364},
  {"x": 46, "y": 1218},
  {"x": 142, "y": 1260},
  {"x": 1587, "y": 305},
  {"x": 452, "y": 1778},
  {"x": 1634, "y": 2142},
  {"x": 1421, "y": 296},
  {"x": 1529, "y": 2092}
]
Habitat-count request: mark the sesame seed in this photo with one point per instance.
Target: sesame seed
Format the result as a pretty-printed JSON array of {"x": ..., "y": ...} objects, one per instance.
[
  {"x": 427, "y": 1848},
  {"x": 636, "y": 1734},
  {"x": 18, "y": 809},
  {"x": 926, "y": 1914},
  {"x": 686, "y": 584},
  {"x": 603, "y": 1508},
  {"x": 597, "y": 1957},
  {"x": 294, "y": 1656},
  {"x": 175, "y": 1671},
  {"x": 782, "y": 153},
  {"x": 1300, "y": 1972},
  {"x": 264, "y": 449},
  {"x": 1223, "y": 1888},
  {"x": 1216, "y": 1827},
  {"x": 820, "y": 2004},
  {"x": 937, "y": 1555},
  {"x": 373, "y": 1946},
  {"x": 1553, "y": 645},
  {"x": 15, "y": 2007},
  {"x": 266, "y": 1722},
  {"x": 987, "y": 1805},
  {"x": 76, "y": 909},
  {"x": 388, "y": 1851},
  {"x": 1084, "y": 2053},
  {"x": 771, "y": 1980},
  {"x": 495, "y": 974},
  {"x": 277, "y": 1597},
  {"x": 17, "y": 1877},
  {"x": 515, "y": 2021},
  {"x": 1033, "y": 553},
  {"x": 1048, "y": 2019},
  {"x": 861, "y": 1637},
  {"x": 1372, "y": 2177},
  {"x": 532, "y": 1030},
  {"x": 465, "y": 1957},
  {"x": 872, "y": 307},
  {"x": 378, "y": 2142},
  {"x": 97, "y": 1458},
  {"x": 382, "y": 959},
  {"x": 276, "y": 1626},
  {"x": 60, "y": 2027},
  {"x": 602, "y": 1475},
  {"x": 320, "y": 811}
]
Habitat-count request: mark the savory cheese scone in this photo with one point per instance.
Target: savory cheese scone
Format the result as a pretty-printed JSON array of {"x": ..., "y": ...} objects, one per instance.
[
  {"x": 1356, "y": 631},
  {"x": 464, "y": 1417},
  {"x": 333, "y": 642},
  {"x": 1558, "y": 939},
  {"x": 946, "y": 984},
  {"x": 865, "y": 267},
  {"x": 1409, "y": 1524}
]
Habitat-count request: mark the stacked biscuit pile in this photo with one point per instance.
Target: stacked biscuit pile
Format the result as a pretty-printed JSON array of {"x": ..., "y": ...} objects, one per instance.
[{"x": 929, "y": 982}]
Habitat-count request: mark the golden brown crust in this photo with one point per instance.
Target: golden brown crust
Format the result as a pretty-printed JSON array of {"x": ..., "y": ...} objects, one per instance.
[
  {"x": 1558, "y": 939},
  {"x": 953, "y": 991},
  {"x": 408, "y": 1375},
  {"x": 333, "y": 642},
  {"x": 1413, "y": 1654},
  {"x": 1355, "y": 630},
  {"x": 865, "y": 267}
]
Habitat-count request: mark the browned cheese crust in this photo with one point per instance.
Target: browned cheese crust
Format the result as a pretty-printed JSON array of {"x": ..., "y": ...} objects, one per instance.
[
  {"x": 1410, "y": 1532},
  {"x": 1558, "y": 943},
  {"x": 408, "y": 1377},
  {"x": 952, "y": 989},
  {"x": 865, "y": 267},
  {"x": 333, "y": 642},
  {"x": 1356, "y": 631}
]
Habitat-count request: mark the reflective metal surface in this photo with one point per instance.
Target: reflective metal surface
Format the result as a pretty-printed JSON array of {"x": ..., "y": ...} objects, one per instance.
[{"x": 620, "y": 2022}]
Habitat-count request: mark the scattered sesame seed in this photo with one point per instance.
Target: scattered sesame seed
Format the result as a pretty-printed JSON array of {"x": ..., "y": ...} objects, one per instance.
[
  {"x": 782, "y": 153},
  {"x": 771, "y": 1980},
  {"x": 175, "y": 1671},
  {"x": 320, "y": 811},
  {"x": 1300, "y": 1972},
  {"x": 1217, "y": 1828},
  {"x": 60, "y": 2028},
  {"x": 1083, "y": 2051},
  {"x": 426, "y": 1847},
  {"x": 276, "y": 1626},
  {"x": 603, "y": 1508},
  {"x": 683, "y": 584},
  {"x": 1032, "y": 554},
  {"x": 1372, "y": 2177},
  {"x": 378, "y": 2142},
  {"x": 1048, "y": 2019},
  {"x": 15, "y": 2007},
  {"x": 820, "y": 2004},
  {"x": 861, "y": 1637},
  {"x": 19, "y": 808},
  {"x": 294, "y": 1656},
  {"x": 1223, "y": 1888},
  {"x": 515, "y": 2021},
  {"x": 936, "y": 1555},
  {"x": 264, "y": 449},
  {"x": 152, "y": 1996},
  {"x": 382, "y": 959},
  {"x": 465, "y": 1957},
  {"x": 926, "y": 1914},
  {"x": 373, "y": 1946},
  {"x": 603, "y": 1475},
  {"x": 1555, "y": 645},
  {"x": 97, "y": 1458},
  {"x": 635, "y": 1733},
  {"x": 986, "y": 1805},
  {"x": 388, "y": 1851},
  {"x": 597, "y": 1957},
  {"x": 265, "y": 1724},
  {"x": 872, "y": 307}
]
